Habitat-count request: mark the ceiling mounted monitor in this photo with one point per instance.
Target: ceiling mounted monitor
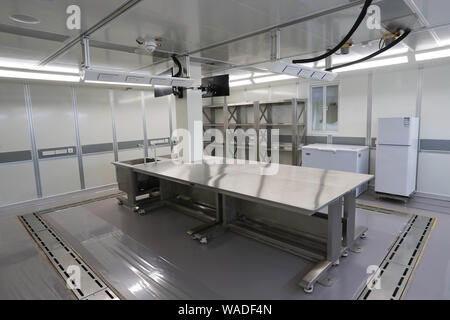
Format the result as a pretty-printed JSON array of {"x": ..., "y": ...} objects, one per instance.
[{"x": 217, "y": 86}]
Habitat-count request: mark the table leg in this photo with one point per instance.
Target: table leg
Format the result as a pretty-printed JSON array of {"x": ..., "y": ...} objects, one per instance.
[
  {"x": 349, "y": 218},
  {"x": 205, "y": 232},
  {"x": 351, "y": 232},
  {"x": 334, "y": 247}
]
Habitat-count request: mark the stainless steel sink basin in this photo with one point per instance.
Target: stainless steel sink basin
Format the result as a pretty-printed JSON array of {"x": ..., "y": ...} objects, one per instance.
[{"x": 135, "y": 162}]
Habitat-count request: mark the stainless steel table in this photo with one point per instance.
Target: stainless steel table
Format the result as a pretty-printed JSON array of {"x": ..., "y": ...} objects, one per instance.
[{"x": 283, "y": 208}]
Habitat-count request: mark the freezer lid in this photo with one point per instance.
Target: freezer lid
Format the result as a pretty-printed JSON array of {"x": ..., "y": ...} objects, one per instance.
[
  {"x": 398, "y": 131},
  {"x": 334, "y": 147}
]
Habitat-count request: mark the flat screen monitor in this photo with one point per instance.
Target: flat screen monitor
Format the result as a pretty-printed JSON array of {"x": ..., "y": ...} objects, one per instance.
[{"x": 217, "y": 86}]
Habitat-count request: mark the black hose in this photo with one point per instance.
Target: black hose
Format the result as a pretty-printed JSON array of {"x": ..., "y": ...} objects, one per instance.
[
  {"x": 392, "y": 44},
  {"x": 344, "y": 41},
  {"x": 180, "y": 68}
]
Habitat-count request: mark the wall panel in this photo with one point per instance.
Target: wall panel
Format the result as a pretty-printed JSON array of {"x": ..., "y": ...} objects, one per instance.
[
  {"x": 59, "y": 176},
  {"x": 435, "y": 117},
  {"x": 14, "y": 131},
  {"x": 17, "y": 183},
  {"x": 394, "y": 95}
]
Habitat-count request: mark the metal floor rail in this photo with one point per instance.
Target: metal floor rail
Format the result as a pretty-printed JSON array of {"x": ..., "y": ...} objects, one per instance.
[
  {"x": 65, "y": 260},
  {"x": 390, "y": 280}
]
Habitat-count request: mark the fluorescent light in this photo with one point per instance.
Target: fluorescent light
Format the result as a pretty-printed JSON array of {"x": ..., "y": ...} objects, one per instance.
[
  {"x": 277, "y": 77},
  {"x": 240, "y": 83},
  {"x": 117, "y": 83},
  {"x": 375, "y": 64},
  {"x": 261, "y": 74},
  {"x": 393, "y": 52},
  {"x": 33, "y": 65},
  {"x": 38, "y": 76},
  {"x": 234, "y": 77},
  {"x": 433, "y": 55}
]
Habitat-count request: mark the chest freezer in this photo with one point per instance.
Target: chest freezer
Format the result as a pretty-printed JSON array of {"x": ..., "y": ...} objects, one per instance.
[{"x": 337, "y": 157}]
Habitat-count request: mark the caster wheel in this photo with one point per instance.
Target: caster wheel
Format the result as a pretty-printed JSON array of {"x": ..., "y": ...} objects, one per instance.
[
  {"x": 141, "y": 212},
  {"x": 345, "y": 254},
  {"x": 203, "y": 240},
  {"x": 120, "y": 202},
  {"x": 336, "y": 263},
  {"x": 363, "y": 236},
  {"x": 136, "y": 209},
  {"x": 308, "y": 289}
]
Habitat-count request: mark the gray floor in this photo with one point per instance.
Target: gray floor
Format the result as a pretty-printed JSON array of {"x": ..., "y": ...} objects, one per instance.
[{"x": 151, "y": 257}]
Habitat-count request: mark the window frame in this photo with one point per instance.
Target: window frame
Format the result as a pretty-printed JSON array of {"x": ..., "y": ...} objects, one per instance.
[{"x": 324, "y": 113}]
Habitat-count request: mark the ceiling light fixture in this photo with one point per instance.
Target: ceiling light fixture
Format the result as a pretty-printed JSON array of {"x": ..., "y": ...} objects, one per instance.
[
  {"x": 240, "y": 83},
  {"x": 32, "y": 75},
  {"x": 376, "y": 64},
  {"x": 33, "y": 65},
  {"x": 437, "y": 54},
  {"x": 133, "y": 79},
  {"x": 277, "y": 77},
  {"x": 301, "y": 71},
  {"x": 23, "y": 18},
  {"x": 235, "y": 77}
]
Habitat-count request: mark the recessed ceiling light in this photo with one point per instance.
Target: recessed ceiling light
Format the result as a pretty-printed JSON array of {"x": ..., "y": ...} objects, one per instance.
[{"x": 23, "y": 18}]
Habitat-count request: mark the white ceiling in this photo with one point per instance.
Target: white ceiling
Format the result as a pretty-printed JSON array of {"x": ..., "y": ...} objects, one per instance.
[{"x": 189, "y": 25}]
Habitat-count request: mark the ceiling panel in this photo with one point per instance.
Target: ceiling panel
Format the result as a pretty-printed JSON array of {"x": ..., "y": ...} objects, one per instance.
[
  {"x": 436, "y": 12},
  {"x": 52, "y": 13},
  {"x": 13, "y": 46},
  {"x": 191, "y": 24}
]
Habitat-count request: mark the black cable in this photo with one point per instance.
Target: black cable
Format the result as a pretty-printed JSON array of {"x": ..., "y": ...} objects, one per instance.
[
  {"x": 180, "y": 68},
  {"x": 344, "y": 41},
  {"x": 392, "y": 44}
]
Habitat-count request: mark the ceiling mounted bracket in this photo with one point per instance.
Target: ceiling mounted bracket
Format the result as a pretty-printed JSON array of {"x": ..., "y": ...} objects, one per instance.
[
  {"x": 275, "y": 52},
  {"x": 86, "y": 62}
]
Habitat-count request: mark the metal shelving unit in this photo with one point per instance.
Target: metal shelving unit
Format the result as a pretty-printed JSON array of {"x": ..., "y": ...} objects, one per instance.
[{"x": 289, "y": 116}]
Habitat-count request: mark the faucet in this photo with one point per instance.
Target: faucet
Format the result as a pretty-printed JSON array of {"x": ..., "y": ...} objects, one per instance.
[
  {"x": 153, "y": 146},
  {"x": 141, "y": 146}
]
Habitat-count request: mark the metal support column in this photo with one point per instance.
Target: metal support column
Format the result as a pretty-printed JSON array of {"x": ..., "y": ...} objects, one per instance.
[
  {"x": 34, "y": 151},
  {"x": 113, "y": 122},
  {"x": 78, "y": 140},
  {"x": 144, "y": 124},
  {"x": 349, "y": 218},
  {"x": 295, "y": 115}
]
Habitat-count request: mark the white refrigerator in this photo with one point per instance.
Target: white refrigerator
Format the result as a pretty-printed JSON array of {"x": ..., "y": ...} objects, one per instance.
[
  {"x": 337, "y": 157},
  {"x": 396, "y": 156}
]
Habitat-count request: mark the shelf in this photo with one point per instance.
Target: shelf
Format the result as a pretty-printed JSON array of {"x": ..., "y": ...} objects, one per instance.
[
  {"x": 213, "y": 124},
  {"x": 242, "y": 124},
  {"x": 280, "y": 124}
]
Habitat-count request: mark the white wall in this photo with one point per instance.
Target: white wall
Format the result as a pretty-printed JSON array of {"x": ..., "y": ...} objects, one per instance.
[
  {"x": 17, "y": 181},
  {"x": 54, "y": 126},
  {"x": 434, "y": 168}
]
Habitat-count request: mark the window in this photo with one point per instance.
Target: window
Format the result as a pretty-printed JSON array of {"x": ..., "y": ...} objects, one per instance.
[{"x": 325, "y": 108}]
